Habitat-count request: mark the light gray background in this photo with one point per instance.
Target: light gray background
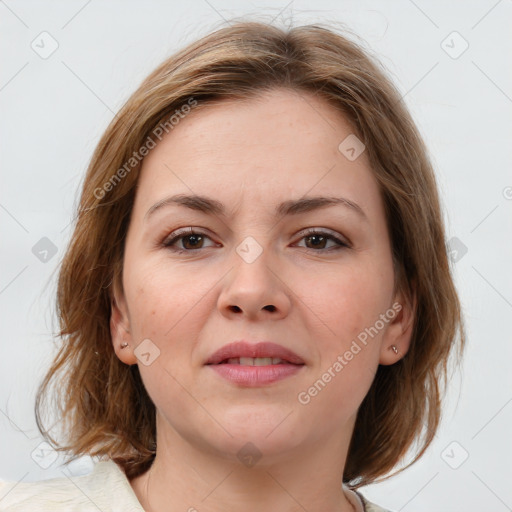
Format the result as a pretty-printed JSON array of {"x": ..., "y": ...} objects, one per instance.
[{"x": 55, "y": 109}]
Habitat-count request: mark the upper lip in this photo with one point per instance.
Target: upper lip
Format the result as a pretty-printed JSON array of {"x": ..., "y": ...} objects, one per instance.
[{"x": 262, "y": 349}]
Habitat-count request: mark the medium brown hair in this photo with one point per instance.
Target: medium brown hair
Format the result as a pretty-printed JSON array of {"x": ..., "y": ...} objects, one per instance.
[{"x": 101, "y": 402}]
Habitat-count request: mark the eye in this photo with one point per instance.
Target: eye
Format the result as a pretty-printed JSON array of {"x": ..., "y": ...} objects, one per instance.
[
  {"x": 318, "y": 240},
  {"x": 188, "y": 237},
  {"x": 189, "y": 240}
]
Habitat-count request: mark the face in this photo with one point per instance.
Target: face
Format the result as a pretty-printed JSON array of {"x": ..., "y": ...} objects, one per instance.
[{"x": 249, "y": 273}]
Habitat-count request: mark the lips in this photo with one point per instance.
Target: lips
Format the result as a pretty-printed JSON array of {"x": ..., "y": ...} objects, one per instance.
[
  {"x": 251, "y": 366},
  {"x": 238, "y": 352}
]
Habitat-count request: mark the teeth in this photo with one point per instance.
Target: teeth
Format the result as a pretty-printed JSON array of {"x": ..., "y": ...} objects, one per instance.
[{"x": 255, "y": 361}]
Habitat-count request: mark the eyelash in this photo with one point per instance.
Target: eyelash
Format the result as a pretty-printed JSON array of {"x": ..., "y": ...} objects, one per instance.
[{"x": 183, "y": 233}]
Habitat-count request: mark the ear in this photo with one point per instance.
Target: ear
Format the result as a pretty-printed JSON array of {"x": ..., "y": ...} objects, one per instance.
[
  {"x": 120, "y": 327},
  {"x": 399, "y": 330}
]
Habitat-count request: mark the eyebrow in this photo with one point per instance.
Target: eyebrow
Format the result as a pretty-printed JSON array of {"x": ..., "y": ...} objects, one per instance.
[{"x": 211, "y": 206}]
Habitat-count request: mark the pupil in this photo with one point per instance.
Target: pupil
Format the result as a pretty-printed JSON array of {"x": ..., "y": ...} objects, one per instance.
[
  {"x": 192, "y": 237},
  {"x": 318, "y": 238}
]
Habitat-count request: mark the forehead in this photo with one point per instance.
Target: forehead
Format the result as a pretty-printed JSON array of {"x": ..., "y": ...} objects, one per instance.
[{"x": 279, "y": 145}]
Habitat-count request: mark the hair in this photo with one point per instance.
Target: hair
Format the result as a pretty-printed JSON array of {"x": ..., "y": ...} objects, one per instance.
[{"x": 101, "y": 401}]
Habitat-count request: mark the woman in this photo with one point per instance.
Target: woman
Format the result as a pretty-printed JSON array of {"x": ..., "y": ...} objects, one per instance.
[{"x": 256, "y": 305}]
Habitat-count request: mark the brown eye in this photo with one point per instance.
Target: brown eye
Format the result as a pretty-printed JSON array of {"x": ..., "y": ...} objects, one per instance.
[
  {"x": 186, "y": 241},
  {"x": 192, "y": 241},
  {"x": 317, "y": 240}
]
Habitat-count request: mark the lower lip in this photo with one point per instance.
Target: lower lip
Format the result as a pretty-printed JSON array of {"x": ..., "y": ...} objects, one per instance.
[{"x": 253, "y": 376}]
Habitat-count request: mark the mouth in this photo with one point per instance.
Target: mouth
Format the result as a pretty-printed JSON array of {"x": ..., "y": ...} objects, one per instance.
[
  {"x": 255, "y": 361},
  {"x": 260, "y": 354},
  {"x": 256, "y": 365}
]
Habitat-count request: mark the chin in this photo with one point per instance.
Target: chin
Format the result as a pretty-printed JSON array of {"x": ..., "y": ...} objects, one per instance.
[
  {"x": 269, "y": 434},
  {"x": 253, "y": 448}
]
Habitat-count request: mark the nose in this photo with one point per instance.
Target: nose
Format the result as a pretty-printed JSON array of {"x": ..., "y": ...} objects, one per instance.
[{"x": 255, "y": 291}]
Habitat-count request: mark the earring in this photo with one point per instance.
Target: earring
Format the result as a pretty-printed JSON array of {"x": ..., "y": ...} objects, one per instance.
[
  {"x": 394, "y": 349},
  {"x": 124, "y": 345}
]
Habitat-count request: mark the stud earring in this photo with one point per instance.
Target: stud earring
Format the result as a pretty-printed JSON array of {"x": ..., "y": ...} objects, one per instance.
[
  {"x": 124, "y": 345},
  {"x": 394, "y": 349}
]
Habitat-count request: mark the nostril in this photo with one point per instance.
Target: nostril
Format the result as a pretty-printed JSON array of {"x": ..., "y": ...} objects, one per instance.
[
  {"x": 236, "y": 309},
  {"x": 270, "y": 307}
]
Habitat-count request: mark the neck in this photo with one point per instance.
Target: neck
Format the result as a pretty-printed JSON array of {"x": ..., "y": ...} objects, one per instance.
[{"x": 184, "y": 477}]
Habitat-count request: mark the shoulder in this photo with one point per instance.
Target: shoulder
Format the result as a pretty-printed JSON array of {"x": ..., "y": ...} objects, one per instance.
[
  {"x": 106, "y": 489},
  {"x": 371, "y": 507}
]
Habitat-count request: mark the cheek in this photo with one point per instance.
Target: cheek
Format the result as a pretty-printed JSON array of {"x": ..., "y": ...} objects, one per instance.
[
  {"x": 347, "y": 300},
  {"x": 161, "y": 297},
  {"x": 347, "y": 303},
  {"x": 164, "y": 308},
  {"x": 169, "y": 306},
  {"x": 348, "y": 351}
]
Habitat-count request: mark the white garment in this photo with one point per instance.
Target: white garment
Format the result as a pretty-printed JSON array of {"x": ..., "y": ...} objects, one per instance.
[{"x": 105, "y": 489}]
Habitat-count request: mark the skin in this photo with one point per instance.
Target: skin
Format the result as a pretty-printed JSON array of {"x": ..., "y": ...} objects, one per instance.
[{"x": 252, "y": 155}]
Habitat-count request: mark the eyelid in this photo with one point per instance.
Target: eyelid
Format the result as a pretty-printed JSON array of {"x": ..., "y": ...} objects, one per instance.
[
  {"x": 325, "y": 231},
  {"x": 183, "y": 232},
  {"x": 341, "y": 241}
]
